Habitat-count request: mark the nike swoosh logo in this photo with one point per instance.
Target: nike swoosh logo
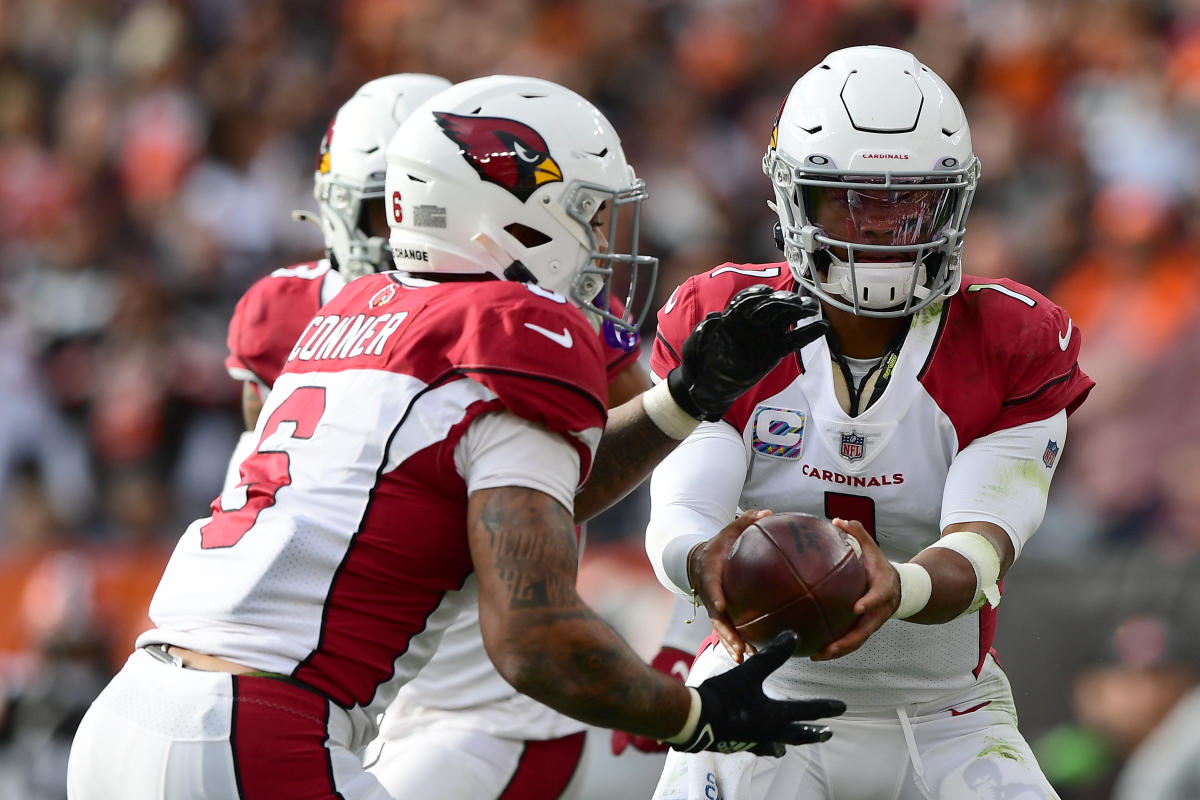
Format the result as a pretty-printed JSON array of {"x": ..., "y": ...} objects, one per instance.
[
  {"x": 563, "y": 338},
  {"x": 955, "y": 713},
  {"x": 680, "y": 670},
  {"x": 1063, "y": 338}
]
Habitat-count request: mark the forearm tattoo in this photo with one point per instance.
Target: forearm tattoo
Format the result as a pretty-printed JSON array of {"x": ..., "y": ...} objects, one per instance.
[
  {"x": 551, "y": 645},
  {"x": 531, "y": 555}
]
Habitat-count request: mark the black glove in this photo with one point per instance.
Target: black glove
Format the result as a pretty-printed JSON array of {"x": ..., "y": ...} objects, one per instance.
[
  {"x": 735, "y": 715},
  {"x": 731, "y": 350}
]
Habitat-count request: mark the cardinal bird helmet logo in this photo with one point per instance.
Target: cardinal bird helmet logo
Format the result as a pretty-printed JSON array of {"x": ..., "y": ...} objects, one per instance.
[
  {"x": 323, "y": 165},
  {"x": 775, "y": 127},
  {"x": 505, "y": 152}
]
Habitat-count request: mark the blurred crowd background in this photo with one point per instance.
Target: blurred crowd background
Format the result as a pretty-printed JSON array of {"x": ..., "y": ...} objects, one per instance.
[{"x": 151, "y": 153}]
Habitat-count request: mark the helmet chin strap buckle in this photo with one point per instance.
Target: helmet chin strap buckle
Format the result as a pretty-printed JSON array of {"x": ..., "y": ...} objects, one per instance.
[{"x": 516, "y": 271}]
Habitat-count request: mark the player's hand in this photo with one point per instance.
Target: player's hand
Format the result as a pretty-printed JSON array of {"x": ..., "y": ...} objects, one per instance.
[
  {"x": 705, "y": 569},
  {"x": 669, "y": 661},
  {"x": 736, "y": 716},
  {"x": 878, "y": 602},
  {"x": 731, "y": 350}
]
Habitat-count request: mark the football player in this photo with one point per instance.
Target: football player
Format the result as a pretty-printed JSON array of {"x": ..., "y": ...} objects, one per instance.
[
  {"x": 927, "y": 424},
  {"x": 459, "y": 705},
  {"x": 348, "y": 187},
  {"x": 418, "y": 455}
]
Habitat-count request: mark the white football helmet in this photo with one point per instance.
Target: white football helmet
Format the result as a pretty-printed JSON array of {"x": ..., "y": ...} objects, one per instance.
[
  {"x": 505, "y": 175},
  {"x": 351, "y": 166},
  {"x": 873, "y": 173}
]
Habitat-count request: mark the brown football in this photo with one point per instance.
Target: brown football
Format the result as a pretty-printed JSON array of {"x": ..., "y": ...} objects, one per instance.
[{"x": 793, "y": 571}]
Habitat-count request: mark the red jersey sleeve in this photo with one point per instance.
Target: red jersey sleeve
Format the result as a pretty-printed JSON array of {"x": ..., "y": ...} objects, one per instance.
[
  {"x": 268, "y": 319},
  {"x": 676, "y": 319},
  {"x": 1044, "y": 375},
  {"x": 701, "y": 295},
  {"x": 541, "y": 358},
  {"x": 1006, "y": 356}
]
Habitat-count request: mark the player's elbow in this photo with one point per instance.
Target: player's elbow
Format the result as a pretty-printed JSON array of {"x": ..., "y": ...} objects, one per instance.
[
  {"x": 517, "y": 665},
  {"x": 511, "y": 655}
]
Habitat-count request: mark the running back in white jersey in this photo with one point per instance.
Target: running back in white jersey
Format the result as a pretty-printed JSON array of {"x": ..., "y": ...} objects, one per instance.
[
  {"x": 342, "y": 555},
  {"x": 268, "y": 320},
  {"x": 888, "y": 465}
]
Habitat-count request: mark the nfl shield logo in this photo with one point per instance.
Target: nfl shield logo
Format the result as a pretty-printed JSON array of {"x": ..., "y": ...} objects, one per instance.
[
  {"x": 1050, "y": 454},
  {"x": 852, "y": 446}
]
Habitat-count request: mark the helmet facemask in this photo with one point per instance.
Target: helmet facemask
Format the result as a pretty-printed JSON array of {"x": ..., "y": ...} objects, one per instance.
[
  {"x": 610, "y": 220},
  {"x": 877, "y": 245},
  {"x": 347, "y": 227}
]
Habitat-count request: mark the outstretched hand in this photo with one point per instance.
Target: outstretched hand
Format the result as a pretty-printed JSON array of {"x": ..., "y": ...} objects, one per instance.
[{"x": 733, "y": 349}]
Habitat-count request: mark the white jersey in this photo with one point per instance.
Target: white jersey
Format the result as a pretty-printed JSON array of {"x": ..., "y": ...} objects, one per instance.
[
  {"x": 268, "y": 319},
  {"x": 984, "y": 363},
  {"x": 342, "y": 555}
]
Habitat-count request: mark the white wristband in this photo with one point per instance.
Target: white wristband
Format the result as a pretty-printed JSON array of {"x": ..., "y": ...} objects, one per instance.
[
  {"x": 915, "y": 588},
  {"x": 693, "y": 718},
  {"x": 977, "y": 549},
  {"x": 664, "y": 412}
]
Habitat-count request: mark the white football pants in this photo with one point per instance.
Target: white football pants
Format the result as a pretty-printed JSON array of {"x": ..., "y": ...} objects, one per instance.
[
  {"x": 164, "y": 732},
  {"x": 420, "y": 760},
  {"x": 963, "y": 746}
]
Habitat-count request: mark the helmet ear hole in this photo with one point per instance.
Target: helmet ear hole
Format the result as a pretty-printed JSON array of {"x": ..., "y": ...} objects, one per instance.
[{"x": 530, "y": 237}]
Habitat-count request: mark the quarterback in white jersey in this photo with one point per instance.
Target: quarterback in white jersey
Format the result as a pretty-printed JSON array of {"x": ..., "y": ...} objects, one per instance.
[
  {"x": 421, "y": 453},
  {"x": 927, "y": 424}
]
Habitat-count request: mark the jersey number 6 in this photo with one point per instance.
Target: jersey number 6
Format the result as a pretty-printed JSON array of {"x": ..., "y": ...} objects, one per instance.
[{"x": 267, "y": 469}]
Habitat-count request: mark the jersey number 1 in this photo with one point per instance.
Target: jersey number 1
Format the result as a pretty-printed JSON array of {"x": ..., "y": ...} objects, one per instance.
[
  {"x": 852, "y": 506},
  {"x": 267, "y": 469}
]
